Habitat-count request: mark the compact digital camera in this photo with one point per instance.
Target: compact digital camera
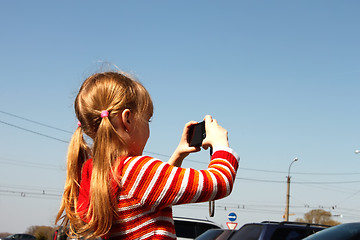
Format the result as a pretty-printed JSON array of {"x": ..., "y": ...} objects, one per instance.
[{"x": 196, "y": 134}]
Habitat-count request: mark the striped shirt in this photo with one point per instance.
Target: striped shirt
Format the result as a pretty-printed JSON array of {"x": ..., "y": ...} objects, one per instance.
[{"x": 149, "y": 187}]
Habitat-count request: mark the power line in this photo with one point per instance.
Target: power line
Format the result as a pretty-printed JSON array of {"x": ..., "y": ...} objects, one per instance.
[
  {"x": 29, "y": 194},
  {"x": 242, "y": 207},
  {"x": 39, "y": 193},
  {"x": 31, "y": 131},
  {"x": 31, "y": 188},
  {"x": 259, "y": 209},
  {"x": 299, "y": 173},
  {"x": 30, "y": 164},
  {"x": 164, "y": 155},
  {"x": 36, "y": 122},
  {"x": 249, "y": 179},
  {"x": 275, "y": 181},
  {"x": 48, "y": 166}
]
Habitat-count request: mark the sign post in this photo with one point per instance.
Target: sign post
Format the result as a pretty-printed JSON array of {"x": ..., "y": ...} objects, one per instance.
[{"x": 232, "y": 218}]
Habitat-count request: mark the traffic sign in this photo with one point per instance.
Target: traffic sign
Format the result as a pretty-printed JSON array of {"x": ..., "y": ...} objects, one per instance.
[
  {"x": 231, "y": 225},
  {"x": 232, "y": 217}
]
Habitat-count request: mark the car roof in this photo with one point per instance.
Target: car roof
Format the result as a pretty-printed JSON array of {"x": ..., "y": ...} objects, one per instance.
[
  {"x": 287, "y": 223},
  {"x": 195, "y": 220}
]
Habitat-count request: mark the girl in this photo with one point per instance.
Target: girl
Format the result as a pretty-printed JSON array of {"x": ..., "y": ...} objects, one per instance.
[{"x": 112, "y": 190}]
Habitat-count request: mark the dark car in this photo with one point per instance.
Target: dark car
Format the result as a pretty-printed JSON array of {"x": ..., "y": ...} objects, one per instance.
[
  {"x": 266, "y": 231},
  {"x": 190, "y": 228},
  {"x": 345, "y": 231},
  {"x": 20, "y": 236}
]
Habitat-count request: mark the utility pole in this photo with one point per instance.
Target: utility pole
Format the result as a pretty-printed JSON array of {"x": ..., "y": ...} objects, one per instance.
[{"x": 288, "y": 193}]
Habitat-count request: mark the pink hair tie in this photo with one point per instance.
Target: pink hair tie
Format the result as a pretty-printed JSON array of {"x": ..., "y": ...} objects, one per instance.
[
  {"x": 79, "y": 124},
  {"x": 104, "y": 114}
]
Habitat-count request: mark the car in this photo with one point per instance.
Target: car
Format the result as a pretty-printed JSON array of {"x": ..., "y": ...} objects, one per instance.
[
  {"x": 345, "y": 231},
  {"x": 190, "y": 228},
  {"x": 218, "y": 234},
  {"x": 267, "y": 230},
  {"x": 19, "y": 236}
]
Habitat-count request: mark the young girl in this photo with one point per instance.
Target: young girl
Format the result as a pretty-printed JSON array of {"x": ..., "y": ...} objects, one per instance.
[{"x": 112, "y": 190}]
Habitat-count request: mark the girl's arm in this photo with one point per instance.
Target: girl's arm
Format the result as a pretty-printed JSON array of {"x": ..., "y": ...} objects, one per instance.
[
  {"x": 157, "y": 184},
  {"x": 183, "y": 149},
  {"x": 216, "y": 136}
]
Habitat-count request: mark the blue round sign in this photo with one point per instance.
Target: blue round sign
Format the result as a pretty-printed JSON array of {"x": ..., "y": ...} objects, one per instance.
[{"x": 232, "y": 217}]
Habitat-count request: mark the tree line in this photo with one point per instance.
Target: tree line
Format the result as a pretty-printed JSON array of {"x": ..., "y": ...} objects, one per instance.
[{"x": 40, "y": 232}]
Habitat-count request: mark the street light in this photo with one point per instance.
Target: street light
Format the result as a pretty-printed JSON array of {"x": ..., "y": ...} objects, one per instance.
[
  {"x": 288, "y": 192},
  {"x": 357, "y": 151}
]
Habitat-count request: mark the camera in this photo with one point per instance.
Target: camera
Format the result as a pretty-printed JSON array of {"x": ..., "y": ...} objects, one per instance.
[{"x": 196, "y": 134}]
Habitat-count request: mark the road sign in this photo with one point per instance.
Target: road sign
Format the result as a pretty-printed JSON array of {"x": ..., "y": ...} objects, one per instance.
[
  {"x": 231, "y": 225},
  {"x": 232, "y": 217}
]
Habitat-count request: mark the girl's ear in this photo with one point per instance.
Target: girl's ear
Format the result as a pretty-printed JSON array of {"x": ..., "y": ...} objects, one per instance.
[{"x": 126, "y": 118}]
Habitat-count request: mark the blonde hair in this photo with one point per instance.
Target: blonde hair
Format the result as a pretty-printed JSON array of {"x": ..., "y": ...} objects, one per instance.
[{"x": 113, "y": 92}]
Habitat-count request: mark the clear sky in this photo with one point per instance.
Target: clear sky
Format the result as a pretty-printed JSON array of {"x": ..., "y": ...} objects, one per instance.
[{"x": 281, "y": 76}]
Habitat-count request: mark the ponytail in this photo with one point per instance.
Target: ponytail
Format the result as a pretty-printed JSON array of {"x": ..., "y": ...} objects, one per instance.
[
  {"x": 105, "y": 151},
  {"x": 78, "y": 152}
]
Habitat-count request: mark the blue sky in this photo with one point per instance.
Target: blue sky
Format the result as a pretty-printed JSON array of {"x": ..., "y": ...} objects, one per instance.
[{"x": 281, "y": 76}]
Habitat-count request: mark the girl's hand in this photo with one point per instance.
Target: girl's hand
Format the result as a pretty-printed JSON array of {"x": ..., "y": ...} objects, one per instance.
[
  {"x": 183, "y": 149},
  {"x": 215, "y": 134}
]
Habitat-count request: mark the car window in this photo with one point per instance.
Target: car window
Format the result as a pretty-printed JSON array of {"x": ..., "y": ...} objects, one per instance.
[
  {"x": 215, "y": 234},
  {"x": 289, "y": 234},
  {"x": 191, "y": 229},
  {"x": 346, "y": 231},
  {"x": 203, "y": 227},
  {"x": 185, "y": 229},
  {"x": 210, "y": 234},
  {"x": 248, "y": 232},
  {"x": 225, "y": 235}
]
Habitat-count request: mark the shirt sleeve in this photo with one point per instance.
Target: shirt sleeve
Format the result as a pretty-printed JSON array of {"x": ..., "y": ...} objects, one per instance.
[{"x": 158, "y": 184}]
